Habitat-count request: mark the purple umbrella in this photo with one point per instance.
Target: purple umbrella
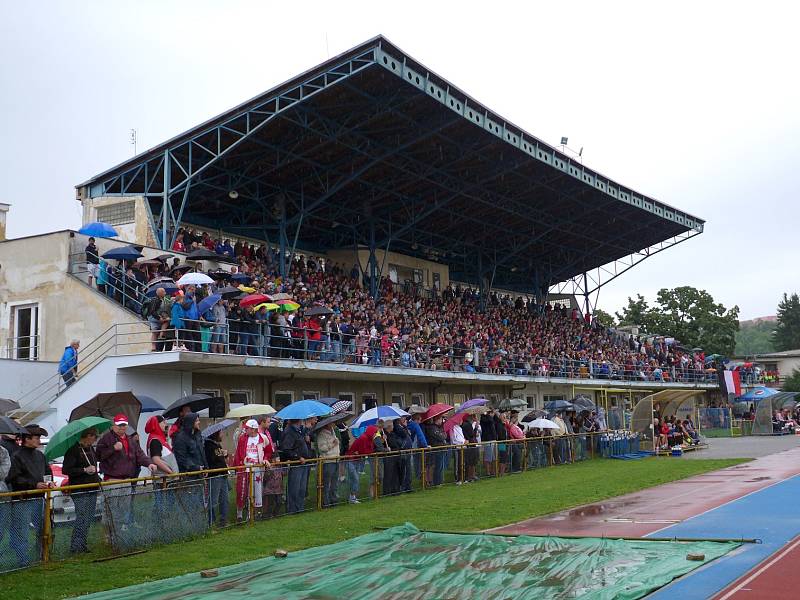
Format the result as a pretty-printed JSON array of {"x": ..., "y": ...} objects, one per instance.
[{"x": 471, "y": 404}]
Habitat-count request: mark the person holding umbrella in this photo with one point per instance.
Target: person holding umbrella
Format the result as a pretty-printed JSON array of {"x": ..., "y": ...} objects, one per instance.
[
  {"x": 294, "y": 447},
  {"x": 80, "y": 465},
  {"x": 329, "y": 448}
]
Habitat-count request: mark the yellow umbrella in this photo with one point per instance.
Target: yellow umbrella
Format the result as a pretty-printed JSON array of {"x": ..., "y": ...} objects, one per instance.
[
  {"x": 268, "y": 306},
  {"x": 250, "y": 410},
  {"x": 246, "y": 289}
]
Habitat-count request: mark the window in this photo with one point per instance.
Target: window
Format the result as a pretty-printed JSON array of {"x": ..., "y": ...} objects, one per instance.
[
  {"x": 282, "y": 399},
  {"x": 24, "y": 345},
  {"x": 494, "y": 399},
  {"x": 349, "y": 396},
  {"x": 553, "y": 398},
  {"x": 419, "y": 277},
  {"x": 442, "y": 398},
  {"x": 398, "y": 400},
  {"x": 117, "y": 214},
  {"x": 418, "y": 399},
  {"x": 237, "y": 398},
  {"x": 214, "y": 393},
  {"x": 368, "y": 401},
  {"x": 459, "y": 399},
  {"x": 530, "y": 399},
  {"x": 310, "y": 395}
]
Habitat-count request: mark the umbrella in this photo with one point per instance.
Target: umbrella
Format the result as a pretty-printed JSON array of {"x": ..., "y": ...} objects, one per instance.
[
  {"x": 178, "y": 268},
  {"x": 160, "y": 279},
  {"x": 456, "y": 419},
  {"x": 332, "y": 419},
  {"x": 542, "y": 424},
  {"x": 555, "y": 405},
  {"x": 584, "y": 402},
  {"x": 288, "y": 305},
  {"x": 435, "y": 410},
  {"x": 107, "y": 405},
  {"x": 164, "y": 257},
  {"x": 281, "y": 296},
  {"x": 150, "y": 262},
  {"x": 194, "y": 279},
  {"x": 98, "y": 229},
  {"x": 303, "y": 409},
  {"x": 229, "y": 291},
  {"x": 757, "y": 393},
  {"x": 318, "y": 311},
  {"x": 533, "y": 415},
  {"x": 241, "y": 278},
  {"x": 208, "y": 302},
  {"x": 149, "y": 404},
  {"x": 66, "y": 437},
  {"x": 337, "y": 405},
  {"x": 169, "y": 287},
  {"x": 254, "y": 299},
  {"x": 250, "y": 410},
  {"x": 9, "y": 426},
  {"x": 202, "y": 254},
  {"x": 196, "y": 402},
  {"x": 246, "y": 290},
  {"x": 219, "y": 274},
  {"x": 123, "y": 253},
  {"x": 469, "y": 405},
  {"x": 267, "y": 305},
  {"x": 370, "y": 417},
  {"x": 512, "y": 404},
  {"x": 7, "y": 405},
  {"x": 212, "y": 429}
]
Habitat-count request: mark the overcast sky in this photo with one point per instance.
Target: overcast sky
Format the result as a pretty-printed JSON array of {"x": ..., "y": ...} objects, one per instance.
[{"x": 696, "y": 104}]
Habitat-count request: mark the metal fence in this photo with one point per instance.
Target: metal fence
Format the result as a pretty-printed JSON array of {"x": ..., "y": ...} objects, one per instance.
[
  {"x": 126, "y": 516},
  {"x": 715, "y": 422}
]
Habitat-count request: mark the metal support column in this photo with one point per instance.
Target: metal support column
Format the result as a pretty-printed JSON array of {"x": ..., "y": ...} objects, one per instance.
[
  {"x": 373, "y": 262},
  {"x": 283, "y": 240},
  {"x": 481, "y": 284},
  {"x": 165, "y": 207},
  {"x": 586, "y": 307}
]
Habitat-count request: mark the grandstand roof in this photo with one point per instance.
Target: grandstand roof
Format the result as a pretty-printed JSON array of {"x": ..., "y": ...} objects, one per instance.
[{"x": 372, "y": 146}]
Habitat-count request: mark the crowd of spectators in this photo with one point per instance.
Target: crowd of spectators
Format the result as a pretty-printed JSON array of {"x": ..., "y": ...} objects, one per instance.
[{"x": 447, "y": 330}]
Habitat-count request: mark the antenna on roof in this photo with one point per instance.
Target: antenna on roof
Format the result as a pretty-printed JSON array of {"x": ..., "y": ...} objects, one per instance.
[
  {"x": 133, "y": 140},
  {"x": 327, "y": 49}
]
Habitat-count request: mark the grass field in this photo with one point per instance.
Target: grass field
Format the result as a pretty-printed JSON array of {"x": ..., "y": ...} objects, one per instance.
[{"x": 473, "y": 507}]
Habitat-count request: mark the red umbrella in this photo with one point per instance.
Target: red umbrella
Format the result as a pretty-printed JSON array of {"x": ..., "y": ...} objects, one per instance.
[
  {"x": 254, "y": 299},
  {"x": 456, "y": 419},
  {"x": 435, "y": 410}
]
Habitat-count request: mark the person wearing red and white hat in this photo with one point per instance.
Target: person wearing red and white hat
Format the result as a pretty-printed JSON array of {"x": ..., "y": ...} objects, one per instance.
[{"x": 119, "y": 457}]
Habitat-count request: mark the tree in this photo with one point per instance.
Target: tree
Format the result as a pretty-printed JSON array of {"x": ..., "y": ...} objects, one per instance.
[
  {"x": 792, "y": 382},
  {"x": 602, "y": 317},
  {"x": 687, "y": 314},
  {"x": 787, "y": 328},
  {"x": 755, "y": 338}
]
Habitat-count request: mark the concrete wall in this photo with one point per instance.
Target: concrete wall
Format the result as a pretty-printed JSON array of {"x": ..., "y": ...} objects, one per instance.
[
  {"x": 34, "y": 270},
  {"x": 136, "y": 232},
  {"x": 18, "y": 376}
]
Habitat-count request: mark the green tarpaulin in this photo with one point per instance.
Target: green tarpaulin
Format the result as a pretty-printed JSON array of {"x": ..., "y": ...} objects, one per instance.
[{"x": 405, "y": 563}]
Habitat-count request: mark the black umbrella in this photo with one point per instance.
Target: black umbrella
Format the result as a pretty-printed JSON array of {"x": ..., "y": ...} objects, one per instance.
[
  {"x": 107, "y": 405},
  {"x": 179, "y": 268},
  {"x": 164, "y": 257},
  {"x": 229, "y": 291},
  {"x": 202, "y": 254},
  {"x": 219, "y": 274},
  {"x": 160, "y": 279},
  {"x": 333, "y": 419},
  {"x": 7, "y": 405},
  {"x": 318, "y": 311},
  {"x": 124, "y": 253},
  {"x": 196, "y": 403},
  {"x": 9, "y": 426}
]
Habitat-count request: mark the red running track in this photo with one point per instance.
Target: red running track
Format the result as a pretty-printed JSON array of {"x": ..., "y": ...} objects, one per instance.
[
  {"x": 773, "y": 579},
  {"x": 647, "y": 511}
]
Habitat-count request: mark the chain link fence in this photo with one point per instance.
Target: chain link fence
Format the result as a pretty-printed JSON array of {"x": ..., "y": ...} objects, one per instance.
[{"x": 126, "y": 516}]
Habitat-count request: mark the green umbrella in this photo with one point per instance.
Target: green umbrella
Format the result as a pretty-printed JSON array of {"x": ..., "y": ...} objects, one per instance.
[{"x": 66, "y": 437}]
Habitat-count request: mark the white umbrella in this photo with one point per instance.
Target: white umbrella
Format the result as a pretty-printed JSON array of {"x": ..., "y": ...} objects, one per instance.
[
  {"x": 194, "y": 279},
  {"x": 250, "y": 410},
  {"x": 542, "y": 424},
  {"x": 387, "y": 413}
]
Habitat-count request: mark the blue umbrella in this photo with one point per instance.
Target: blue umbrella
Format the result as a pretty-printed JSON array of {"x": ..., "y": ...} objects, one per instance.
[
  {"x": 208, "y": 302},
  {"x": 212, "y": 429},
  {"x": 98, "y": 229},
  {"x": 370, "y": 417},
  {"x": 123, "y": 253},
  {"x": 241, "y": 278},
  {"x": 149, "y": 404},
  {"x": 558, "y": 405},
  {"x": 757, "y": 393},
  {"x": 303, "y": 409}
]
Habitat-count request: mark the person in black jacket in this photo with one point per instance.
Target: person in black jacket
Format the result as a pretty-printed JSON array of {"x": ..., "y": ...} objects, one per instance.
[
  {"x": 216, "y": 458},
  {"x": 434, "y": 433},
  {"x": 293, "y": 446},
  {"x": 187, "y": 445},
  {"x": 28, "y": 471},
  {"x": 488, "y": 435},
  {"x": 80, "y": 465},
  {"x": 501, "y": 436}
]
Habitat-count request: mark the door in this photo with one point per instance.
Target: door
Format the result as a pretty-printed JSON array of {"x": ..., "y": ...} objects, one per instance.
[{"x": 25, "y": 343}]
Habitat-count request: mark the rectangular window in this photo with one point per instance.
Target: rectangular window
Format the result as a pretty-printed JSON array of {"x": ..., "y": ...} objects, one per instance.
[
  {"x": 347, "y": 396},
  {"x": 368, "y": 401},
  {"x": 459, "y": 398},
  {"x": 494, "y": 399},
  {"x": 418, "y": 399},
  {"x": 530, "y": 399},
  {"x": 237, "y": 398},
  {"x": 24, "y": 345},
  {"x": 398, "y": 400},
  {"x": 117, "y": 214},
  {"x": 442, "y": 398},
  {"x": 310, "y": 395},
  {"x": 553, "y": 398},
  {"x": 282, "y": 399}
]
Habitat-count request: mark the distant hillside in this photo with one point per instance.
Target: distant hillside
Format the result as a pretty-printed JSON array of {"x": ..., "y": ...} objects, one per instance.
[{"x": 754, "y": 336}]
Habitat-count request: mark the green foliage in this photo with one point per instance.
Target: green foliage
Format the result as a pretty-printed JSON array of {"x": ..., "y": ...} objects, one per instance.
[
  {"x": 478, "y": 506},
  {"x": 792, "y": 382},
  {"x": 787, "y": 328},
  {"x": 754, "y": 338},
  {"x": 689, "y": 315},
  {"x": 602, "y": 317}
]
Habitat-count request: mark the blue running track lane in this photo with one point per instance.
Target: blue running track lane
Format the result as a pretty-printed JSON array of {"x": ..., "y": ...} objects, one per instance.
[{"x": 771, "y": 514}]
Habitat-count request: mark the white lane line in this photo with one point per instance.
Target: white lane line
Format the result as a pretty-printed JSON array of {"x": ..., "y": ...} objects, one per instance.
[{"x": 741, "y": 587}]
